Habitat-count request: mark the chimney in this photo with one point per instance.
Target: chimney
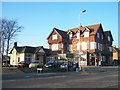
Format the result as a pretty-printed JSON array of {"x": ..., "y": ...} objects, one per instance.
[{"x": 15, "y": 44}]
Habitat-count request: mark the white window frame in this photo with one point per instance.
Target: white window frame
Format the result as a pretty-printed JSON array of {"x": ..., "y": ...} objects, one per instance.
[
  {"x": 78, "y": 35},
  {"x": 92, "y": 45},
  {"x": 108, "y": 38},
  {"x": 98, "y": 44},
  {"x": 78, "y": 46},
  {"x": 86, "y": 34},
  {"x": 84, "y": 45},
  {"x": 70, "y": 47},
  {"x": 98, "y": 35},
  {"x": 54, "y": 37},
  {"x": 110, "y": 49},
  {"x": 55, "y": 47},
  {"x": 70, "y": 36}
]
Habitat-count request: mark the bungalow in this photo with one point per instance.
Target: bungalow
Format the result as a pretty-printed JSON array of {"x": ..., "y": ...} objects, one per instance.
[{"x": 28, "y": 53}]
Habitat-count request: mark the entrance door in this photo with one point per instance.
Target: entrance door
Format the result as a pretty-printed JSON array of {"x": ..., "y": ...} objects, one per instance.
[{"x": 92, "y": 60}]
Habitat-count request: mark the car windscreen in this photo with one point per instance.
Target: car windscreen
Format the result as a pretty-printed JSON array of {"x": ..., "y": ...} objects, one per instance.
[{"x": 35, "y": 62}]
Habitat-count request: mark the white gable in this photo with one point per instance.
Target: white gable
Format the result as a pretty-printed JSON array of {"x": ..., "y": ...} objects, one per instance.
[{"x": 41, "y": 50}]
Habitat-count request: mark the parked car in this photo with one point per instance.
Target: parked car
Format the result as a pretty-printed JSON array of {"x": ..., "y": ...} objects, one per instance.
[
  {"x": 34, "y": 63},
  {"x": 23, "y": 64},
  {"x": 66, "y": 64},
  {"x": 53, "y": 63},
  {"x": 69, "y": 65}
]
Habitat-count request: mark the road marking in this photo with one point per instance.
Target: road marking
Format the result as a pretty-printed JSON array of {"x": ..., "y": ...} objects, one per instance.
[
  {"x": 52, "y": 77},
  {"x": 57, "y": 77}
]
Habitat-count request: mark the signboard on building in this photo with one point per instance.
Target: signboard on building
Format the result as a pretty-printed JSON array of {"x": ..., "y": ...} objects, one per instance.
[{"x": 69, "y": 55}]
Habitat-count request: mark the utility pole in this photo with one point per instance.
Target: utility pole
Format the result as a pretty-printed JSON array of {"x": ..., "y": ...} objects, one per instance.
[{"x": 80, "y": 67}]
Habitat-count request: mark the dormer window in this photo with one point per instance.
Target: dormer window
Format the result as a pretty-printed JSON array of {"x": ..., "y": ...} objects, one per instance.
[
  {"x": 70, "y": 36},
  {"x": 86, "y": 34},
  {"x": 78, "y": 34},
  {"x": 54, "y": 37},
  {"x": 98, "y": 35}
]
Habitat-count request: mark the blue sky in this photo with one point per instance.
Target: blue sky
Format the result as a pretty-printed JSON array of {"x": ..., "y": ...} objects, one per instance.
[{"x": 39, "y": 18}]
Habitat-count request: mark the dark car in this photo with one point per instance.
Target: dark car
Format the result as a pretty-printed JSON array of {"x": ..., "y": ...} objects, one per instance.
[
  {"x": 69, "y": 66},
  {"x": 53, "y": 63},
  {"x": 23, "y": 64},
  {"x": 66, "y": 64}
]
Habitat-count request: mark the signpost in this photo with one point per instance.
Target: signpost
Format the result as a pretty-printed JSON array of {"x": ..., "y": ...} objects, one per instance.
[{"x": 69, "y": 55}]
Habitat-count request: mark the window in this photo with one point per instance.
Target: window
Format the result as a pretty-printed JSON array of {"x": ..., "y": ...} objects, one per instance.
[
  {"x": 84, "y": 46},
  {"x": 54, "y": 37},
  {"x": 70, "y": 47},
  {"x": 102, "y": 36},
  {"x": 28, "y": 57},
  {"x": 110, "y": 49},
  {"x": 92, "y": 45},
  {"x": 108, "y": 38},
  {"x": 86, "y": 34},
  {"x": 99, "y": 46},
  {"x": 70, "y": 36},
  {"x": 78, "y": 35},
  {"x": 18, "y": 59},
  {"x": 98, "y": 35},
  {"x": 78, "y": 46},
  {"x": 55, "y": 47}
]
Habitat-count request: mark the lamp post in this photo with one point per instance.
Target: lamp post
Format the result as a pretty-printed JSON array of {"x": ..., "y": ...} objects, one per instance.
[{"x": 80, "y": 67}]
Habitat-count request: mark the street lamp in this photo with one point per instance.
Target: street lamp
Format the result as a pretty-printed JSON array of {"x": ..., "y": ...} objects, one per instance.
[{"x": 79, "y": 43}]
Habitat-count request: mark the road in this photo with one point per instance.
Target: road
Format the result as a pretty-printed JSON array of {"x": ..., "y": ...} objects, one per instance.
[{"x": 84, "y": 79}]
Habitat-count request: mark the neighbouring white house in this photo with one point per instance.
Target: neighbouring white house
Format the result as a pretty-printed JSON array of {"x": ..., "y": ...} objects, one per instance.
[{"x": 28, "y": 53}]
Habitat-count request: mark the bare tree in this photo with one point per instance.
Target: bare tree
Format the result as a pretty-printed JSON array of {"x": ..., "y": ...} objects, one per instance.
[
  {"x": 2, "y": 38},
  {"x": 9, "y": 29}
]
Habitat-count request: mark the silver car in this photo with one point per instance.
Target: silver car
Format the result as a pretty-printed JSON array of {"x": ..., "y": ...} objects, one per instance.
[{"x": 34, "y": 63}]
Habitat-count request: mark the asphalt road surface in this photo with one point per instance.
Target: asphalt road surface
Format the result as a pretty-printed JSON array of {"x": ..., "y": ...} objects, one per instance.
[{"x": 84, "y": 79}]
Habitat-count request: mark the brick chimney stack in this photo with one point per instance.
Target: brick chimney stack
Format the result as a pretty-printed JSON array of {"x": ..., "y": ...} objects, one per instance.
[{"x": 15, "y": 44}]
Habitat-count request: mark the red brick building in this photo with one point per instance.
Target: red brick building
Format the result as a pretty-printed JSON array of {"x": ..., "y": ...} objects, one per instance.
[{"x": 89, "y": 43}]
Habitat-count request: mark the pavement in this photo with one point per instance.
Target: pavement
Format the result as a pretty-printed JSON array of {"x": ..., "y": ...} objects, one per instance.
[
  {"x": 15, "y": 70},
  {"x": 10, "y": 70}
]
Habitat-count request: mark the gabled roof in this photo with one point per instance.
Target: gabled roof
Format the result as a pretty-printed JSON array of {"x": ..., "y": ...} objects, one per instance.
[
  {"x": 48, "y": 51},
  {"x": 60, "y": 32},
  {"x": 116, "y": 49},
  {"x": 108, "y": 33},
  {"x": 29, "y": 49},
  {"x": 26, "y": 49},
  {"x": 93, "y": 28}
]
